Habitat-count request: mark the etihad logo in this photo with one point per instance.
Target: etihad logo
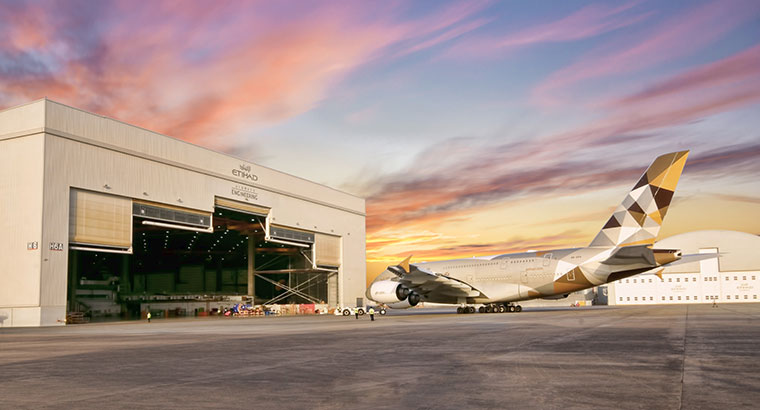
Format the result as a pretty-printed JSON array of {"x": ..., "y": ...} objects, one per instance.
[{"x": 244, "y": 171}]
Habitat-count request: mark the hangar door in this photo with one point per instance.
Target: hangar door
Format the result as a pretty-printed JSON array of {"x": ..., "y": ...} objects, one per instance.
[
  {"x": 326, "y": 251},
  {"x": 240, "y": 207},
  {"x": 100, "y": 222}
]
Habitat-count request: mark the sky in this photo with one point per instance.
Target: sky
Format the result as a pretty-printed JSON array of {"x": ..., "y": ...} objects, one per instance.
[{"x": 470, "y": 127}]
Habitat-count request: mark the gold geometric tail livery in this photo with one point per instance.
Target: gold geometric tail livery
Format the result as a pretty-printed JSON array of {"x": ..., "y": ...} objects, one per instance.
[{"x": 637, "y": 220}]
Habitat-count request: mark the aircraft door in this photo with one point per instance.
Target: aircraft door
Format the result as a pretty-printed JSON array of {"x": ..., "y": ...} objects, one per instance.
[{"x": 547, "y": 259}]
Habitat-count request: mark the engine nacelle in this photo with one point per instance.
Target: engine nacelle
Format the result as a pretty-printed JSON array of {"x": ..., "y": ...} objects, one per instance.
[
  {"x": 387, "y": 291},
  {"x": 410, "y": 301},
  {"x": 393, "y": 294}
]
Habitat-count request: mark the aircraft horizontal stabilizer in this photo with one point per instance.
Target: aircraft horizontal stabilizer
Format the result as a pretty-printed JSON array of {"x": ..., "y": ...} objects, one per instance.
[{"x": 694, "y": 257}]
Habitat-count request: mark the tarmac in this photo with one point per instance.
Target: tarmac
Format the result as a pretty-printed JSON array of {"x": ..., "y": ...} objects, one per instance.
[{"x": 636, "y": 357}]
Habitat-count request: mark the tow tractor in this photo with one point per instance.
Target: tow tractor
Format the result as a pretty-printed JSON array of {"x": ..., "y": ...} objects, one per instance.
[{"x": 348, "y": 311}]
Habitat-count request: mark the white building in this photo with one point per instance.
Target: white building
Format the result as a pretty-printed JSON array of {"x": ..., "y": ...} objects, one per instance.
[
  {"x": 732, "y": 277},
  {"x": 101, "y": 216}
]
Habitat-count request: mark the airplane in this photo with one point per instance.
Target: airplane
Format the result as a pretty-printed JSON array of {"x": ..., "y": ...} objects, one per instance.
[{"x": 623, "y": 248}]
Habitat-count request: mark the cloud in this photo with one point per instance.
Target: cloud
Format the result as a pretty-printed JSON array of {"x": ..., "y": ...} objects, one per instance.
[
  {"x": 451, "y": 250},
  {"x": 485, "y": 176},
  {"x": 732, "y": 160},
  {"x": 203, "y": 72},
  {"x": 739, "y": 68},
  {"x": 590, "y": 21},
  {"x": 679, "y": 36}
]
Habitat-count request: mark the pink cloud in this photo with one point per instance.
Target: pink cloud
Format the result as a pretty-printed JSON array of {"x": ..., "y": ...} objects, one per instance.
[
  {"x": 587, "y": 22},
  {"x": 740, "y": 67},
  {"x": 436, "y": 189},
  {"x": 448, "y": 35},
  {"x": 679, "y": 36},
  {"x": 200, "y": 72}
]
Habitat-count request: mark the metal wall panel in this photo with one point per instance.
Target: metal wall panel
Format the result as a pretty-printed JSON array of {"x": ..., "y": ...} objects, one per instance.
[
  {"x": 22, "y": 119},
  {"x": 21, "y": 175},
  {"x": 67, "y": 120}
]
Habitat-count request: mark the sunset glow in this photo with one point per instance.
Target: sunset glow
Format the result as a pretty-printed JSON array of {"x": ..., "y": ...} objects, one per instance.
[{"x": 471, "y": 127}]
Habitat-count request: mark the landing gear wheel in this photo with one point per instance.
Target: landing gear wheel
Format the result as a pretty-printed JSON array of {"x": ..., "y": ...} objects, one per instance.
[
  {"x": 511, "y": 309},
  {"x": 502, "y": 309},
  {"x": 471, "y": 309},
  {"x": 489, "y": 309},
  {"x": 346, "y": 312},
  {"x": 518, "y": 308},
  {"x": 460, "y": 310},
  {"x": 482, "y": 309}
]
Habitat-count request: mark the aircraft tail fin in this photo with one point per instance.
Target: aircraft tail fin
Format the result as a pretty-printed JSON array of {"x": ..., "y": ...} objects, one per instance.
[{"x": 637, "y": 220}]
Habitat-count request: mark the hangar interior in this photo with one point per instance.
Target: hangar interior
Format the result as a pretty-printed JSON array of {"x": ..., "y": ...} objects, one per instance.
[{"x": 119, "y": 262}]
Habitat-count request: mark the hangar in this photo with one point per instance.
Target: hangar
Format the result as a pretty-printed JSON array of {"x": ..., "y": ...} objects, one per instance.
[
  {"x": 732, "y": 277},
  {"x": 103, "y": 216}
]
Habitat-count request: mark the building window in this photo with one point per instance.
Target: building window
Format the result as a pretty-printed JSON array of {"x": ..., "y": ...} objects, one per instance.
[
  {"x": 754, "y": 296},
  {"x": 671, "y": 298},
  {"x": 695, "y": 298},
  {"x": 736, "y": 297},
  {"x": 678, "y": 279},
  {"x": 687, "y": 298},
  {"x": 636, "y": 298},
  {"x": 626, "y": 281},
  {"x": 746, "y": 296},
  {"x": 744, "y": 278},
  {"x": 651, "y": 298},
  {"x": 650, "y": 280},
  {"x": 621, "y": 298},
  {"x": 628, "y": 298},
  {"x": 670, "y": 279},
  {"x": 663, "y": 298},
  {"x": 735, "y": 278},
  {"x": 728, "y": 296}
]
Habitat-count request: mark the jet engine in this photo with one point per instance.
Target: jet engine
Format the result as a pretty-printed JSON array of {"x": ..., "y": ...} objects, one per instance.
[{"x": 392, "y": 294}]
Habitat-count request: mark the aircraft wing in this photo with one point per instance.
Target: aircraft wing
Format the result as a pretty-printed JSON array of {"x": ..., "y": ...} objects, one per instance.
[{"x": 425, "y": 282}]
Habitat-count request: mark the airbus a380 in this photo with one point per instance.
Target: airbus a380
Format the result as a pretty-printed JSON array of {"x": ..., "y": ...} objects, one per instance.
[{"x": 623, "y": 248}]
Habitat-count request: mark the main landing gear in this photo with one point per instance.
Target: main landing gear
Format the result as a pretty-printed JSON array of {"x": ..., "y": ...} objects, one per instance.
[
  {"x": 492, "y": 308},
  {"x": 466, "y": 309}
]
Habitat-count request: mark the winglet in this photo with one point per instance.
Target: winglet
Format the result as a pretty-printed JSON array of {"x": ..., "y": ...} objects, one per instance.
[
  {"x": 659, "y": 275},
  {"x": 405, "y": 263}
]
